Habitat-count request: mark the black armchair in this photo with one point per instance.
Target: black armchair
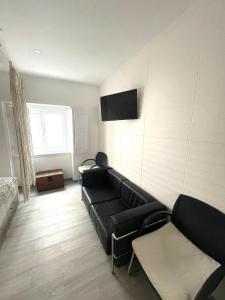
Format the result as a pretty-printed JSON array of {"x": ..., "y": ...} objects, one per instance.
[
  {"x": 100, "y": 160},
  {"x": 184, "y": 259}
]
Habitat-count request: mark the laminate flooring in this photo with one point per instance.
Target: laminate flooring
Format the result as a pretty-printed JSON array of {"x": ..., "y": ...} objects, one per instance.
[{"x": 53, "y": 252}]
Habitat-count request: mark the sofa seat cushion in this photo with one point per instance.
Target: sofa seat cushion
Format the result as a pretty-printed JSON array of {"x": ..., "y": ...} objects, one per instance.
[
  {"x": 99, "y": 194},
  {"x": 110, "y": 208},
  {"x": 174, "y": 265},
  {"x": 100, "y": 214}
]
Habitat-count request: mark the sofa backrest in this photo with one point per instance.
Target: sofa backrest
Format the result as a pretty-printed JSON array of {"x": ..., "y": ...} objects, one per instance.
[
  {"x": 202, "y": 224},
  {"x": 133, "y": 196},
  {"x": 115, "y": 179},
  {"x": 94, "y": 177}
]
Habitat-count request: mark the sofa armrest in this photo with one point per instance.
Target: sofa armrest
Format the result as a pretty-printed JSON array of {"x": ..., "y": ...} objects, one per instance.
[
  {"x": 131, "y": 219},
  {"x": 94, "y": 177},
  {"x": 152, "y": 218}
]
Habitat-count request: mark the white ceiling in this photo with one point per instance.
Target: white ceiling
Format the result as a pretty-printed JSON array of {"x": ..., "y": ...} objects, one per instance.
[{"x": 81, "y": 40}]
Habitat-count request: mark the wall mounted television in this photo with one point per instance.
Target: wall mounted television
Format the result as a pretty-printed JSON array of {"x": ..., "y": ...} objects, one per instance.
[{"x": 120, "y": 106}]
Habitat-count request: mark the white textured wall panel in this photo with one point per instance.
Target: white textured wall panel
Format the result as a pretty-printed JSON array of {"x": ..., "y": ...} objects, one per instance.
[
  {"x": 164, "y": 162},
  {"x": 116, "y": 151},
  {"x": 178, "y": 143},
  {"x": 209, "y": 111},
  {"x": 131, "y": 156},
  {"x": 170, "y": 90},
  {"x": 205, "y": 175}
]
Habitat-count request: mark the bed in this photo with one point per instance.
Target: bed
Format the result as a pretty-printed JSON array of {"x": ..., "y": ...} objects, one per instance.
[{"x": 8, "y": 203}]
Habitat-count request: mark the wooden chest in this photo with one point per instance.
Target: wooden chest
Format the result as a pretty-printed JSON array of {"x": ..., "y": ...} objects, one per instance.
[{"x": 48, "y": 180}]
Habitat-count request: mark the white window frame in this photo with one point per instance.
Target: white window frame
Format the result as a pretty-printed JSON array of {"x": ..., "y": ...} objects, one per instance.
[{"x": 42, "y": 110}]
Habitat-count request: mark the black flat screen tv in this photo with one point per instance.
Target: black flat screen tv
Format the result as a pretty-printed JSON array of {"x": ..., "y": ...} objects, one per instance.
[{"x": 120, "y": 106}]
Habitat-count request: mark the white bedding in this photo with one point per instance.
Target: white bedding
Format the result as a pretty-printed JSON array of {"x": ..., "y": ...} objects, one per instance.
[
  {"x": 8, "y": 200},
  {"x": 7, "y": 184}
]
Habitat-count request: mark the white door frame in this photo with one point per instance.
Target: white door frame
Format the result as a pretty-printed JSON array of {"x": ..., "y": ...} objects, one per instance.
[{"x": 9, "y": 142}]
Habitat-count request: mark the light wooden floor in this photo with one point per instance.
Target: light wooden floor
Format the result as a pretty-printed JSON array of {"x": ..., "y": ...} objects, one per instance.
[{"x": 52, "y": 252}]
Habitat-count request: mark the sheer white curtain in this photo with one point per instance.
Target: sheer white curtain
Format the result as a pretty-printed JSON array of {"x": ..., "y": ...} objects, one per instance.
[{"x": 23, "y": 133}]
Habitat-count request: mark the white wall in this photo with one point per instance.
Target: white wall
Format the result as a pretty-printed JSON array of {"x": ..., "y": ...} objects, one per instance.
[
  {"x": 56, "y": 161},
  {"x": 82, "y": 98},
  {"x": 178, "y": 143}
]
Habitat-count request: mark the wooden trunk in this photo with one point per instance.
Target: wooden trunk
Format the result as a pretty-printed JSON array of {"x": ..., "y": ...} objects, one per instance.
[{"x": 48, "y": 180}]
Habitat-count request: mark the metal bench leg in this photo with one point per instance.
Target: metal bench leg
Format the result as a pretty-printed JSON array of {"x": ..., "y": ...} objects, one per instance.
[
  {"x": 131, "y": 262},
  {"x": 112, "y": 254}
]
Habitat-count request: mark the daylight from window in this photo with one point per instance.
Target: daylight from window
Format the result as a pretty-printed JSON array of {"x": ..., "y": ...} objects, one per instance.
[{"x": 50, "y": 128}]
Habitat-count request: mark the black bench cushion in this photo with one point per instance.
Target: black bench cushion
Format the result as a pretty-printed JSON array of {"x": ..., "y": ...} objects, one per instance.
[
  {"x": 109, "y": 208},
  {"x": 100, "y": 215},
  {"x": 202, "y": 224},
  {"x": 133, "y": 196},
  {"x": 101, "y": 185},
  {"x": 97, "y": 195}
]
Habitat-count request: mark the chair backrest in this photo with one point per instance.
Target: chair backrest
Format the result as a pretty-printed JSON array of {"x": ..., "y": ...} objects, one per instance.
[
  {"x": 202, "y": 224},
  {"x": 101, "y": 159},
  {"x": 133, "y": 196}
]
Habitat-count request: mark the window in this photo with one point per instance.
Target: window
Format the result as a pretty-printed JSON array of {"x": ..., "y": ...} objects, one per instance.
[{"x": 50, "y": 128}]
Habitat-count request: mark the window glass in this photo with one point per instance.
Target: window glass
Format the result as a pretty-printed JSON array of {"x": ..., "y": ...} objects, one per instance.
[
  {"x": 35, "y": 123},
  {"x": 54, "y": 130},
  {"x": 50, "y": 128}
]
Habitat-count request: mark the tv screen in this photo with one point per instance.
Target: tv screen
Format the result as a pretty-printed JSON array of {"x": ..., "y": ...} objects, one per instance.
[{"x": 120, "y": 106}]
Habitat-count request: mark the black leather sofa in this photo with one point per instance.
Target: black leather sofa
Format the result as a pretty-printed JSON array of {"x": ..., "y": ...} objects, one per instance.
[{"x": 116, "y": 206}]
